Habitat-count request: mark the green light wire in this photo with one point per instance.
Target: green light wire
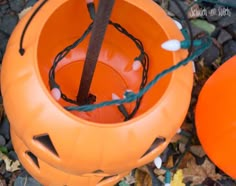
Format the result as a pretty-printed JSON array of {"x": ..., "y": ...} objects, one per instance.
[{"x": 130, "y": 96}]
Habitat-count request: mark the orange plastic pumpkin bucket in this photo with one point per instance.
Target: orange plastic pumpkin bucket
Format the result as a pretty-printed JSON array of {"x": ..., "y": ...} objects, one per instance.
[
  {"x": 51, "y": 176},
  {"x": 215, "y": 117},
  {"x": 45, "y": 134}
]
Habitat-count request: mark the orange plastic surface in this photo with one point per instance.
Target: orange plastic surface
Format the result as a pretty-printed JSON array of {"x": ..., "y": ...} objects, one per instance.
[
  {"x": 216, "y": 117},
  {"x": 50, "y": 176},
  {"x": 99, "y": 140}
]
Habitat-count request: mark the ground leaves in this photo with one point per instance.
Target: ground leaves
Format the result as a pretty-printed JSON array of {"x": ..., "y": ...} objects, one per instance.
[
  {"x": 178, "y": 179},
  {"x": 23, "y": 12},
  {"x": 129, "y": 179},
  {"x": 198, "y": 173},
  {"x": 3, "y": 182},
  {"x": 197, "y": 150},
  {"x": 142, "y": 177},
  {"x": 11, "y": 166}
]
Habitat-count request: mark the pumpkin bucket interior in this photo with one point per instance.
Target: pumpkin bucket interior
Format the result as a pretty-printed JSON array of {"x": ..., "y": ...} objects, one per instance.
[{"x": 114, "y": 72}]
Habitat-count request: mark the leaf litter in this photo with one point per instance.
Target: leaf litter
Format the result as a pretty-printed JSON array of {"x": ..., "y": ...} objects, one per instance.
[{"x": 11, "y": 166}]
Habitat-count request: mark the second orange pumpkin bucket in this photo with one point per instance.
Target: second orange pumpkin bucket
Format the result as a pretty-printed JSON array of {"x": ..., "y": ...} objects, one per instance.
[
  {"x": 215, "y": 117},
  {"x": 47, "y": 137}
]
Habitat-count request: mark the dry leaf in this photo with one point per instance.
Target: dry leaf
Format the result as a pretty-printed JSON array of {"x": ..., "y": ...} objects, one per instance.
[
  {"x": 11, "y": 166},
  {"x": 198, "y": 173},
  {"x": 203, "y": 72},
  {"x": 182, "y": 147},
  {"x": 130, "y": 179},
  {"x": 3, "y": 182},
  {"x": 164, "y": 4},
  {"x": 187, "y": 126},
  {"x": 143, "y": 169},
  {"x": 187, "y": 157},
  {"x": 176, "y": 138},
  {"x": 142, "y": 178},
  {"x": 159, "y": 172},
  {"x": 162, "y": 178},
  {"x": 197, "y": 150},
  {"x": 23, "y": 12},
  {"x": 178, "y": 179},
  {"x": 170, "y": 162}
]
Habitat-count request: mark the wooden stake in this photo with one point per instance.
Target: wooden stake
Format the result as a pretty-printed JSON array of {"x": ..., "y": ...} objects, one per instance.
[{"x": 98, "y": 32}]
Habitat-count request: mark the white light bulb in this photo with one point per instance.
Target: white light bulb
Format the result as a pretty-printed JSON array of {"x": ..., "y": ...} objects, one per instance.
[
  {"x": 56, "y": 93},
  {"x": 171, "y": 45},
  {"x": 158, "y": 162},
  {"x": 115, "y": 96},
  {"x": 129, "y": 90},
  {"x": 179, "y": 131},
  {"x": 178, "y": 24},
  {"x": 89, "y": 1},
  {"x": 136, "y": 65}
]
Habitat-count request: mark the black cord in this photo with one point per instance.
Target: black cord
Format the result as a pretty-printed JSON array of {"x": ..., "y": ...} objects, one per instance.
[
  {"x": 22, "y": 50},
  {"x": 59, "y": 57},
  {"x": 144, "y": 61},
  {"x": 188, "y": 26},
  {"x": 143, "y": 57}
]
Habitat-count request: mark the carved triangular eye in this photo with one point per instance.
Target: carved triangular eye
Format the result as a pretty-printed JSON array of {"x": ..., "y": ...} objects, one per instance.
[
  {"x": 45, "y": 140},
  {"x": 33, "y": 158},
  {"x": 154, "y": 145},
  {"x": 98, "y": 171}
]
